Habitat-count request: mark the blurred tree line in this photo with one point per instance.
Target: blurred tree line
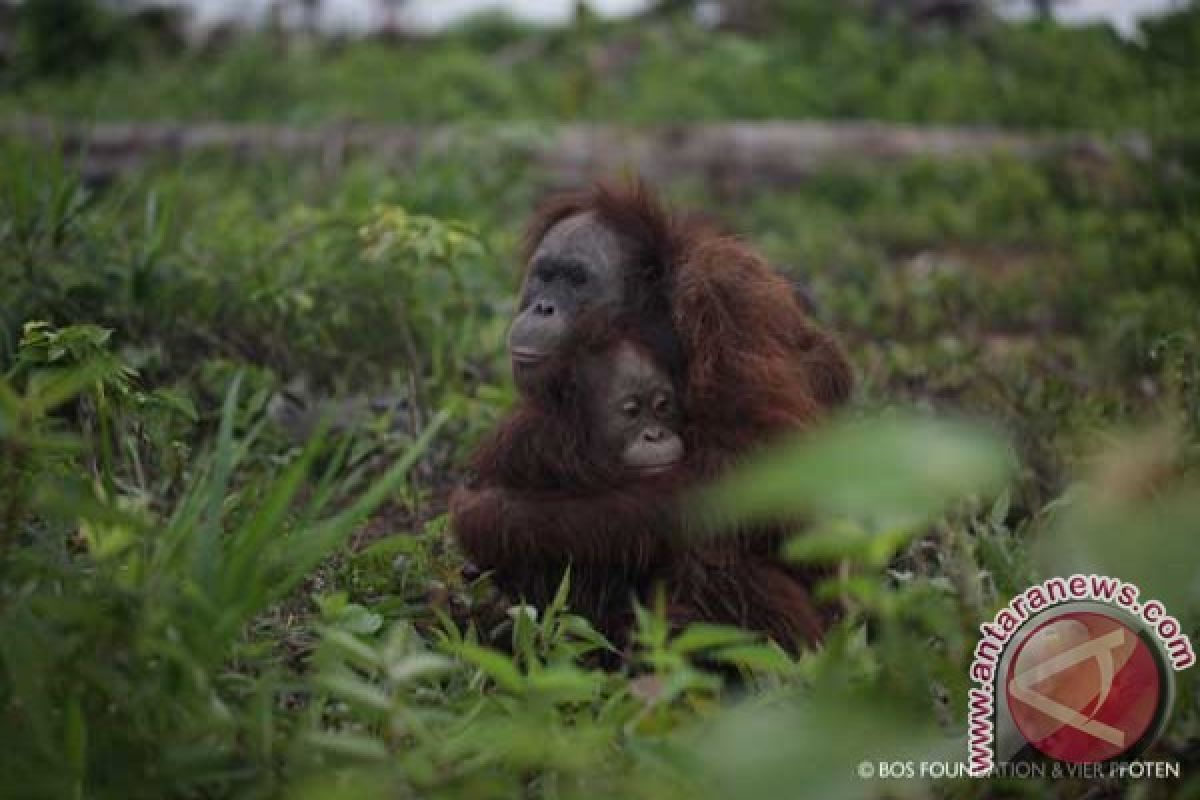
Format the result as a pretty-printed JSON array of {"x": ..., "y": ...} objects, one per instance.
[
  {"x": 66, "y": 37},
  {"x": 916, "y": 61},
  {"x": 760, "y": 15}
]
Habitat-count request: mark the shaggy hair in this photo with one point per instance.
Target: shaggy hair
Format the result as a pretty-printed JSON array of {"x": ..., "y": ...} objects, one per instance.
[{"x": 751, "y": 366}]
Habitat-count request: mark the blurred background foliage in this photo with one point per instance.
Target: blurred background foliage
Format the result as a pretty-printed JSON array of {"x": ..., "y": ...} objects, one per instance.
[
  {"x": 233, "y": 396},
  {"x": 926, "y": 61}
]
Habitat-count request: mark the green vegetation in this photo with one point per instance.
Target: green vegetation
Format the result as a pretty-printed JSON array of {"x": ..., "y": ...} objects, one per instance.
[
  {"x": 209, "y": 587},
  {"x": 814, "y": 61}
]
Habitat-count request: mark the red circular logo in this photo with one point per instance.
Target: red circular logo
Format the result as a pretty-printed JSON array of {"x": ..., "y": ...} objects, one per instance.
[{"x": 1084, "y": 687}]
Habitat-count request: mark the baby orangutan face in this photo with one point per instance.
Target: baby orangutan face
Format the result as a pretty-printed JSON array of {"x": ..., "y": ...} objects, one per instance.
[{"x": 635, "y": 411}]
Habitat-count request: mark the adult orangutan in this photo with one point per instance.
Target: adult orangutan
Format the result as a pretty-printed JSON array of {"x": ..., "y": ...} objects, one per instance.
[
  {"x": 756, "y": 364},
  {"x": 753, "y": 366}
]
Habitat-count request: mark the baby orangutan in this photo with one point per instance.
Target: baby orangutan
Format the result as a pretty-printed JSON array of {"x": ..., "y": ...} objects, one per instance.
[
  {"x": 587, "y": 473},
  {"x": 632, "y": 406}
]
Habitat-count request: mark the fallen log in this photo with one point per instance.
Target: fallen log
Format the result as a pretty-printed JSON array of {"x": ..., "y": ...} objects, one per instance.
[{"x": 776, "y": 152}]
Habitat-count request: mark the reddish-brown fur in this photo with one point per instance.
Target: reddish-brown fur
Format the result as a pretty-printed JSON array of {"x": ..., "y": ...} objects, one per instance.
[
  {"x": 541, "y": 478},
  {"x": 757, "y": 364},
  {"x": 754, "y": 367}
]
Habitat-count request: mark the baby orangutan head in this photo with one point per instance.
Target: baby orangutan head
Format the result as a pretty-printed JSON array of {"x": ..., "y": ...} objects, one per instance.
[{"x": 632, "y": 409}]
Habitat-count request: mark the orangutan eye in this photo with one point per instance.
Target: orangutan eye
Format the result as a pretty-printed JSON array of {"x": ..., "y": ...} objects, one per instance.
[
  {"x": 630, "y": 408},
  {"x": 662, "y": 405}
]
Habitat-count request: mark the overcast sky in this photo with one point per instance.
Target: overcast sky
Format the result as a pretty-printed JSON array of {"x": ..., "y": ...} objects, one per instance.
[
  {"x": 433, "y": 13},
  {"x": 420, "y": 13}
]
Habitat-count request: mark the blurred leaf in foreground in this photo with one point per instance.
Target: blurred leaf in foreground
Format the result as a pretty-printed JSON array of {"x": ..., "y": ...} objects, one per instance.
[
  {"x": 815, "y": 746},
  {"x": 899, "y": 470},
  {"x": 1135, "y": 518}
]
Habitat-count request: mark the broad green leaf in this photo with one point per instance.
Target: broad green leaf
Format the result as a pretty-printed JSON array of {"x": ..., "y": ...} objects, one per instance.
[
  {"x": 900, "y": 469},
  {"x": 565, "y": 683},
  {"x": 350, "y": 645},
  {"x": 495, "y": 665},
  {"x": 760, "y": 657},
  {"x": 813, "y": 746},
  {"x": 352, "y": 689},
  {"x": 418, "y": 665},
  {"x": 703, "y": 636},
  {"x": 347, "y": 744},
  {"x": 1151, "y": 544}
]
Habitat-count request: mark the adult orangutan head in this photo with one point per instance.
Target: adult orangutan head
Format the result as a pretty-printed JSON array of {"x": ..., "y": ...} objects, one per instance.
[{"x": 603, "y": 247}]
